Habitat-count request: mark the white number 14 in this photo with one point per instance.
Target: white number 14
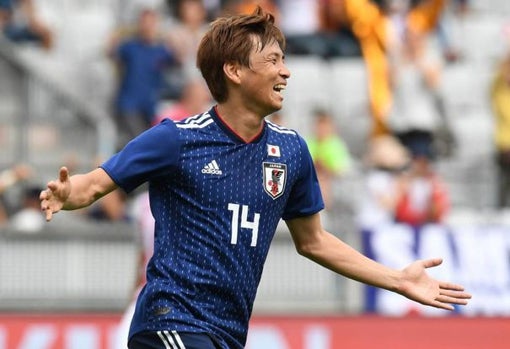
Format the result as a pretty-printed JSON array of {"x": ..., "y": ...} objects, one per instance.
[{"x": 254, "y": 225}]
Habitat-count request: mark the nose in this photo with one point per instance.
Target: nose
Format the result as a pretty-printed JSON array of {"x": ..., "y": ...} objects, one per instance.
[{"x": 284, "y": 71}]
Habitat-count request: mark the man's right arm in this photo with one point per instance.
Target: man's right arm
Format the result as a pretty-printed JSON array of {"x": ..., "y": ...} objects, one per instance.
[{"x": 74, "y": 192}]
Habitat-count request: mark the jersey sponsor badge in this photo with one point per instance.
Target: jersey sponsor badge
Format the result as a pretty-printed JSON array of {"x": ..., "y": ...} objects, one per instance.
[
  {"x": 275, "y": 177},
  {"x": 273, "y": 150}
]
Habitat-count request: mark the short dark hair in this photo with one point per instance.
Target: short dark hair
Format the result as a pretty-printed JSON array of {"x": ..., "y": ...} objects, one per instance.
[{"x": 229, "y": 40}]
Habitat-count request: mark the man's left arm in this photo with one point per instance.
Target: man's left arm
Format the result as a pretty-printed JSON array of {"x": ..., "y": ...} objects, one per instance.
[{"x": 322, "y": 247}]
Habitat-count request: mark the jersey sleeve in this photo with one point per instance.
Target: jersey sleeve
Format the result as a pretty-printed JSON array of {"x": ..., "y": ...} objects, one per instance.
[
  {"x": 305, "y": 198},
  {"x": 153, "y": 153}
]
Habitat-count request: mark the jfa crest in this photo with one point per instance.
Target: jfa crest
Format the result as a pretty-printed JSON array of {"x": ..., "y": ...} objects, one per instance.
[{"x": 275, "y": 176}]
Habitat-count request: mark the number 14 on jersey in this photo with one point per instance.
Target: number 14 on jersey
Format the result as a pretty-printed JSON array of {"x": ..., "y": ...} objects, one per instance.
[{"x": 253, "y": 225}]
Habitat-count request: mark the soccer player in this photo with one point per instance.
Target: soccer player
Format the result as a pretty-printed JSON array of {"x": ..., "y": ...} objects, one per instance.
[{"x": 219, "y": 182}]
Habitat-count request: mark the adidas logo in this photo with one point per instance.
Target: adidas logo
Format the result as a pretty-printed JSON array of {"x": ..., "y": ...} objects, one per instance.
[{"x": 212, "y": 168}]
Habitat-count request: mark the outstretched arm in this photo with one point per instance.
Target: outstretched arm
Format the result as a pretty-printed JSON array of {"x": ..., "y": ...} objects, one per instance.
[
  {"x": 74, "y": 192},
  {"x": 313, "y": 242}
]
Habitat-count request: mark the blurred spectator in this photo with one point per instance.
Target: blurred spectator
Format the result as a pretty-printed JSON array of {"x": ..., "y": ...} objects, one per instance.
[
  {"x": 195, "y": 98},
  {"x": 28, "y": 218},
  {"x": 213, "y": 8},
  {"x": 128, "y": 13},
  {"x": 377, "y": 25},
  {"x": 423, "y": 195},
  {"x": 458, "y": 10},
  {"x": 8, "y": 178},
  {"x": 338, "y": 35},
  {"x": 500, "y": 99},
  {"x": 111, "y": 208},
  {"x": 142, "y": 59},
  {"x": 13, "y": 175},
  {"x": 300, "y": 22},
  {"x": 186, "y": 33},
  {"x": 228, "y": 7},
  {"x": 19, "y": 22},
  {"x": 248, "y": 6},
  {"x": 312, "y": 28},
  {"x": 416, "y": 107},
  {"x": 329, "y": 152},
  {"x": 385, "y": 161}
]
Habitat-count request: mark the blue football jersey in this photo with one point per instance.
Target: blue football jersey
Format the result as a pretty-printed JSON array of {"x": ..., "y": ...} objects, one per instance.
[{"x": 216, "y": 200}]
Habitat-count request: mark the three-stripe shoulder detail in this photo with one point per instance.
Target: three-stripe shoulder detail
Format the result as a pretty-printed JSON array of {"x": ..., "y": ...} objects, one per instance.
[
  {"x": 197, "y": 121},
  {"x": 280, "y": 129}
]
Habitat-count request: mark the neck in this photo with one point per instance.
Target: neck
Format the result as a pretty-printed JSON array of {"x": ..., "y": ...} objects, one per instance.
[{"x": 243, "y": 122}]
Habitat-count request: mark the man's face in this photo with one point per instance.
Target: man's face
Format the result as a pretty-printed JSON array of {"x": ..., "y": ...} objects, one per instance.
[
  {"x": 265, "y": 79},
  {"x": 148, "y": 25}
]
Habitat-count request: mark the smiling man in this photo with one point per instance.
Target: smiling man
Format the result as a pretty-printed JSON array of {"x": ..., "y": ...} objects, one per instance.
[{"x": 219, "y": 182}]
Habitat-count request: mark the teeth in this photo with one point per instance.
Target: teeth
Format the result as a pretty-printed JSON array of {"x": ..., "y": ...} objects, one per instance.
[{"x": 279, "y": 87}]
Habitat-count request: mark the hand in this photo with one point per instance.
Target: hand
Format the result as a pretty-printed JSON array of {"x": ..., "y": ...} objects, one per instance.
[
  {"x": 418, "y": 286},
  {"x": 56, "y": 194}
]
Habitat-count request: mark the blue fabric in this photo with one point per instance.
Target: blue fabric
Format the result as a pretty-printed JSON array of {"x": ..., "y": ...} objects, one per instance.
[
  {"x": 7, "y": 5},
  {"x": 19, "y": 33},
  {"x": 142, "y": 67},
  {"x": 217, "y": 201},
  {"x": 419, "y": 143}
]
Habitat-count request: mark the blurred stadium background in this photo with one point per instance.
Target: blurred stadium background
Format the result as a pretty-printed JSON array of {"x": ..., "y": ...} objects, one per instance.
[{"x": 67, "y": 286}]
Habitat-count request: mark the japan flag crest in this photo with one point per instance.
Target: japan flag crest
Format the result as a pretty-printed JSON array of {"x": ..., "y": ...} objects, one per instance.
[
  {"x": 273, "y": 150},
  {"x": 275, "y": 177}
]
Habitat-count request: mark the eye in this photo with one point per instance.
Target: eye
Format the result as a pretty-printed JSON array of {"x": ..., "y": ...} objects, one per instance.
[{"x": 273, "y": 59}]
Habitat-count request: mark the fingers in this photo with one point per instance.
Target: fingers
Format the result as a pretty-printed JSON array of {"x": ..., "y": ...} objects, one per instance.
[
  {"x": 449, "y": 295},
  {"x": 52, "y": 186},
  {"x": 444, "y": 306},
  {"x": 447, "y": 302},
  {"x": 454, "y": 295},
  {"x": 46, "y": 196},
  {"x": 43, "y": 195},
  {"x": 450, "y": 286},
  {"x": 63, "y": 174},
  {"x": 452, "y": 300},
  {"x": 433, "y": 262},
  {"x": 49, "y": 214}
]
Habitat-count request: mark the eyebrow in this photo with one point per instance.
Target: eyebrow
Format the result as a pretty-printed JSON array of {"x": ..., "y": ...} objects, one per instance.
[{"x": 276, "y": 55}]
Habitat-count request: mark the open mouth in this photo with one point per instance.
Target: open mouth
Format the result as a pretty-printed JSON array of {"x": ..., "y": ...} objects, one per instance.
[{"x": 279, "y": 88}]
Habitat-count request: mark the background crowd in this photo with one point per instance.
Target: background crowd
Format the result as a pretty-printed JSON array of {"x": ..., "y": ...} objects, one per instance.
[{"x": 405, "y": 46}]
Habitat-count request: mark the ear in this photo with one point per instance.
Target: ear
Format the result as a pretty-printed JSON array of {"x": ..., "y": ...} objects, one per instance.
[{"x": 232, "y": 72}]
